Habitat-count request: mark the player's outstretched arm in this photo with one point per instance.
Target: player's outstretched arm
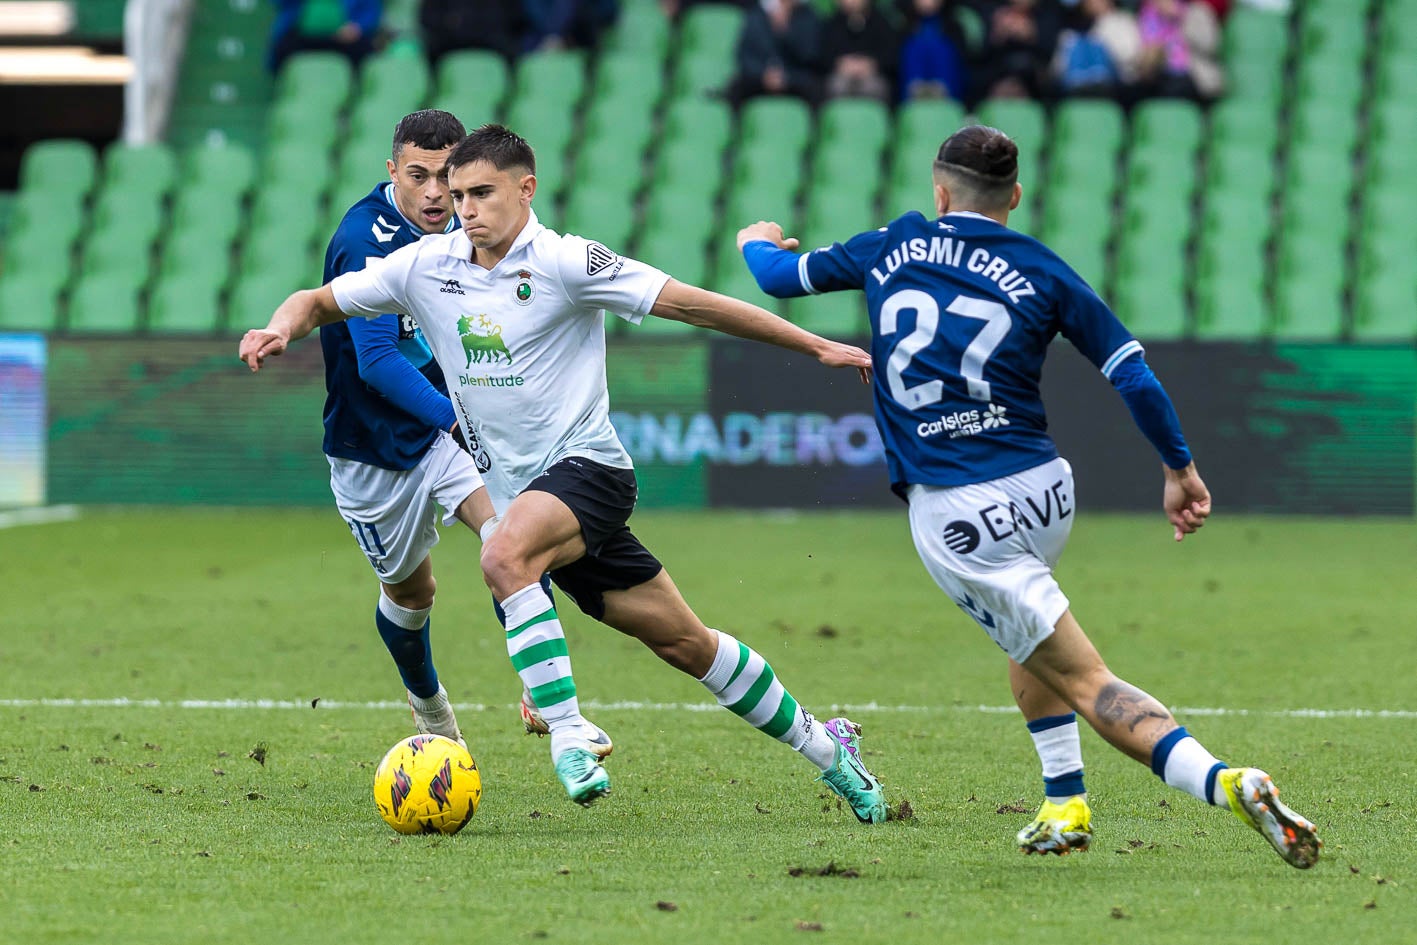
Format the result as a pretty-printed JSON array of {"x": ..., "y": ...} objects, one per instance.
[
  {"x": 297, "y": 316},
  {"x": 1186, "y": 499},
  {"x": 700, "y": 307}
]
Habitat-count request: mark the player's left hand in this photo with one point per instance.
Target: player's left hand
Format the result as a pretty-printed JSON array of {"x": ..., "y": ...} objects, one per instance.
[
  {"x": 1186, "y": 500},
  {"x": 836, "y": 354},
  {"x": 765, "y": 230},
  {"x": 259, "y": 344}
]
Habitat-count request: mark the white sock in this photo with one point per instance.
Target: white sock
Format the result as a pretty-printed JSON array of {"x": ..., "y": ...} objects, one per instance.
[
  {"x": 536, "y": 645},
  {"x": 1059, "y": 748},
  {"x": 743, "y": 682},
  {"x": 1183, "y": 763}
]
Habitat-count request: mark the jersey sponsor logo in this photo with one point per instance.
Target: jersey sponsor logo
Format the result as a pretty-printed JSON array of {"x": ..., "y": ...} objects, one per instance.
[
  {"x": 380, "y": 226},
  {"x": 482, "y": 341},
  {"x": 451, "y": 287},
  {"x": 961, "y": 537},
  {"x": 525, "y": 292},
  {"x": 480, "y": 457},
  {"x": 599, "y": 258},
  {"x": 1051, "y": 505},
  {"x": 408, "y": 327},
  {"x": 964, "y": 423},
  {"x": 994, "y": 417},
  {"x": 982, "y": 616}
]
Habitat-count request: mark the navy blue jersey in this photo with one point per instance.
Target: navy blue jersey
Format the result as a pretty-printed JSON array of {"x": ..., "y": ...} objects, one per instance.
[
  {"x": 962, "y": 312},
  {"x": 361, "y": 423}
]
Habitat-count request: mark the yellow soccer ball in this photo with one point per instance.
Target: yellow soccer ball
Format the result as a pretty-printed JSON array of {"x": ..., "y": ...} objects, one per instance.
[{"x": 427, "y": 784}]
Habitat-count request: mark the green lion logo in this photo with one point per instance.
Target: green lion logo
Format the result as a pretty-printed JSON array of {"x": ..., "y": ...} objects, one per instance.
[{"x": 482, "y": 340}]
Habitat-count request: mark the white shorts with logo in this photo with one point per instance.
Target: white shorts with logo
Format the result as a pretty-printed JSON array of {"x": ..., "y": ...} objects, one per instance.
[
  {"x": 992, "y": 547},
  {"x": 393, "y": 514}
]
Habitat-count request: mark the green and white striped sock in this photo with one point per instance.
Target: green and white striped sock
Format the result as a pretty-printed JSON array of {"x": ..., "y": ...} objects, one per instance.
[
  {"x": 743, "y": 682},
  {"x": 537, "y": 647}
]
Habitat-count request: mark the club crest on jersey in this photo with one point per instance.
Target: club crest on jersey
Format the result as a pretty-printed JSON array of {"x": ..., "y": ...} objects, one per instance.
[
  {"x": 482, "y": 340},
  {"x": 525, "y": 292}
]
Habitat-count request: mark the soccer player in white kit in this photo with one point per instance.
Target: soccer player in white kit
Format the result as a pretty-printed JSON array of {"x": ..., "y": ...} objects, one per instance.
[{"x": 514, "y": 314}]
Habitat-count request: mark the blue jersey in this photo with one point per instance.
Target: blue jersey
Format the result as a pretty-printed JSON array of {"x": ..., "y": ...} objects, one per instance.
[
  {"x": 962, "y": 312},
  {"x": 361, "y": 423}
]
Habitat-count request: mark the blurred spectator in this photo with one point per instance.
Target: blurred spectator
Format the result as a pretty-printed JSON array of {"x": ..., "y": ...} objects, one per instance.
[
  {"x": 497, "y": 25},
  {"x": 1179, "y": 45},
  {"x": 1103, "y": 56},
  {"x": 347, "y": 26},
  {"x": 779, "y": 52},
  {"x": 934, "y": 58},
  {"x": 562, "y": 24},
  {"x": 1221, "y": 8},
  {"x": 861, "y": 49},
  {"x": 1019, "y": 47}
]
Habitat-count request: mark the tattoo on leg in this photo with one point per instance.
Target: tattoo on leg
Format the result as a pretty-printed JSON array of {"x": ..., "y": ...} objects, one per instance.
[{"x": 1120, "y": 702}]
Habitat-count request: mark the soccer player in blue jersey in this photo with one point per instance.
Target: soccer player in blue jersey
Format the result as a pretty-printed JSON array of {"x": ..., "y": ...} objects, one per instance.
[
  {"x": 390, "y": 432},
  {"x": 962, "y": 312}
]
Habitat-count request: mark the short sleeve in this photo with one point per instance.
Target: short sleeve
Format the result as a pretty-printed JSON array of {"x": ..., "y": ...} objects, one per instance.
[
  {"x": 596, "y": 277},
  {"x": 378, "y": 288},
  {"x": 1092, "y": 328},
  {"x": 840, "y": 266}
]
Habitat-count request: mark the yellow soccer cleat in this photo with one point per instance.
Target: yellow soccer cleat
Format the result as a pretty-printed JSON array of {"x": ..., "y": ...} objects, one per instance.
[
  {"x": 1059, "y": 828},
  {"x": 1255, "y": 800}
]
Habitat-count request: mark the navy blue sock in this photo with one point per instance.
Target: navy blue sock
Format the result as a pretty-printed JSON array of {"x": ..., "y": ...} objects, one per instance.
[{"x": 413, "y": 654}]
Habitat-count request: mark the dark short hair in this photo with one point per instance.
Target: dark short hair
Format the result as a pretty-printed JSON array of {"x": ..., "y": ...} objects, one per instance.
[
  {"x": 430, "y": 129},
  {"x": 498, "y": 145},
  {"x": 983, "y": 162}
]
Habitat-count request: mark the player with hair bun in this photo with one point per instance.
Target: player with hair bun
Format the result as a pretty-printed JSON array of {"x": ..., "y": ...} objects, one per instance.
[{"x": 963, "y": 310}]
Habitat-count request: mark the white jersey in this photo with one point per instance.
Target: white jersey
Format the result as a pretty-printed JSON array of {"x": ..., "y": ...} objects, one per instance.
[{"x": 522, "y": 345}]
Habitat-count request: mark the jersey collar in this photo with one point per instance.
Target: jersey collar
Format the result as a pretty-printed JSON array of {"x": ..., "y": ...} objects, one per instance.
[
  {"x": 462, "y": 246},
  {"x": 971, "y": 213}
]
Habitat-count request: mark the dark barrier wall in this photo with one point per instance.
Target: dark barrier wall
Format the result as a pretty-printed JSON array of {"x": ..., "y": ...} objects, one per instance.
[{"x": 1303, "y": 429}]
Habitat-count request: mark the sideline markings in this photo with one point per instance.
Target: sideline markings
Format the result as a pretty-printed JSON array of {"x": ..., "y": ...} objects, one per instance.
[
  {"x": 38, "y": 516},
  {"x": 630, "y": 706}
]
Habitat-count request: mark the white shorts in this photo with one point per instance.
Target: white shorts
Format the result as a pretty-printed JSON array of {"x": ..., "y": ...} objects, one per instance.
[
  {"x": 992, "y": 547},
  {"x": 393, "y": 514}
]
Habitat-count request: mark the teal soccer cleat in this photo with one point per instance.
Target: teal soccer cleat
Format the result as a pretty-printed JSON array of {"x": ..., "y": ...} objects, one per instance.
[
  {"x": 849, "y": 778},
  {"x": 583, "y": 777}
]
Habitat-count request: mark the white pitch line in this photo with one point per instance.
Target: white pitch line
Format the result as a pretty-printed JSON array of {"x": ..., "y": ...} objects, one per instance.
[
  {"x": 630, "y": 706},
  {"x": 38, "y": 516}
]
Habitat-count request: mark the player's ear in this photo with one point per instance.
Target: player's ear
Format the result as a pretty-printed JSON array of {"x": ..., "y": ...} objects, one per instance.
[
  {"x": 391, "y": 166},
  {"x": 528, "y": 187},
  {"x": 1018, "y": 196},
  {"x": 942, "y": 199}
]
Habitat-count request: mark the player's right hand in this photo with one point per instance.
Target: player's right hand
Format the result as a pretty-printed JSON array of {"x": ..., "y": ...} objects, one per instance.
[
  {"x": 765, "y": 230},
  {"x": 1186, "y": 500},
  {"x": 259, "y": 344}
]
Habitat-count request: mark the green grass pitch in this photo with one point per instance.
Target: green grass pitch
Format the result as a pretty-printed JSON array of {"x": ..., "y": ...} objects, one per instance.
[{"x": 153, "y": 823}]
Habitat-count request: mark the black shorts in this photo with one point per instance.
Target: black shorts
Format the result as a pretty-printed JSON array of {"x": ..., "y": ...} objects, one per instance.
[{"x": 601, "y": 498}]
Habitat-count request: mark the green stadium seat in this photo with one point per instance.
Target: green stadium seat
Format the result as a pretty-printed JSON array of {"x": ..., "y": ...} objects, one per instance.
[
  {"x": 1334, "y": 34},
  {"x": 672, "y": 210},
  {"x": 1251, "y": 124},
  {"x": 1167, "y": 125},
  {"x": 628, "y": 128},
  {"x": 1339, "y": 83},
  {"x": 666, "y": 246},
  {"x": 1321, "y": 125},
  {"x": 684, "y": 167},
  {"x": 150, "y": 168},
  {"x": 254, "y": 297},
  {"x": 1231, "y": 306},
  {"x": 1077, "y": 223},
  {"x": 376, "y": 116},
  {"x": 1395, "y": 121},
  {"x": 227, "y": 171},
  {"x": 837, "y": 315},
  {"x": 922, "y": 125},
  {"x": 106, "y": 304},
  {"x": 554, "y": 81},
  {"x": 547, "y": 130},
  {"x": 303, "y": 125},
  {"x": 29, "y": 301},
  {"x": 1308, "y": 307},
  {"x": 184, "y": 304},
  {"x": 1252, "y": 34},
  {"x": 59, "y": 165},
  {"x": 710, "y": 29},
  {"x": 1394, "y": 77},
  {"x": 1385, "y": 307},
  {"x": 642, "y": 29},
  {"x": 784, "y": 123},
  {"x": 287, "y": 213},
  {"x": 196, "y": 248},
  {"x": 476, "y": 78},
  {"x": 732, "y": 278},
  {"x": 1153, "y": 307},
  {"x": 706, "y": 124},
  {"x": 628, "y": 82},
  {"x": 320, "y": 78},
  {"x": 1094, "y": 124},
  {"x": 864, "y": 123},
  {"x": 1256, "y": 80},
  {"x": 299, "y": 267},
  {"x": 599, "y": 215},
  {"x": 389, "y": 74}
]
